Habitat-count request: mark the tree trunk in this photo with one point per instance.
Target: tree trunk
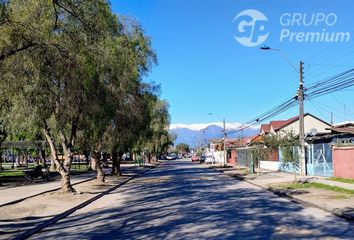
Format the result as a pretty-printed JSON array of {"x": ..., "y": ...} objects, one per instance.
[
  {"x": 52, "y": 164},
  {"x": 0, "y": 164},
  {"x": 294, "y": 171},
  {"x": 62, "y": 169},
  {"x": 0, "y": 160},
  {"x": 43, "y": 159},
  {"x": 88, "y": 162},
  {"x": 96, "y": 165},
  {"x": 65, "y": 182},
  {"x": 115, "y": 166},
  {"x": 120, "y": 155}
]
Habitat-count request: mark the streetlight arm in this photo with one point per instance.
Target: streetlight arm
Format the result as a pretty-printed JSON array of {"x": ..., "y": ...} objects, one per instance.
[
  {"x": 287, "y": 60},
  {"x": 266, "y": 48}
]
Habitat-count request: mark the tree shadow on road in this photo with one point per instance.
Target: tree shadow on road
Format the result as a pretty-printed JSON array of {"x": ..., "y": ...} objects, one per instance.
[{"x": 186, "y": 206}]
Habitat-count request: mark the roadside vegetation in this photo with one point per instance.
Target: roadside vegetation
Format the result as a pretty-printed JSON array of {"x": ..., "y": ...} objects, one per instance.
[
  {"x": 15, "y": 173},
  {"x": 345, "y": 180},
  {"x": 288, "y": 144},
  {"x": 71, "y": 73},
  {"x": 313, "y": 185}
]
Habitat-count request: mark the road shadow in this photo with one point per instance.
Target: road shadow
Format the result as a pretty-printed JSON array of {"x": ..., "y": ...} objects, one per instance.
[{"x": 191, "y": 202}]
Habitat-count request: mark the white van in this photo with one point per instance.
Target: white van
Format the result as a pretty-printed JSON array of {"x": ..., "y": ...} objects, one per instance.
[{"x": 209, "y": 159}]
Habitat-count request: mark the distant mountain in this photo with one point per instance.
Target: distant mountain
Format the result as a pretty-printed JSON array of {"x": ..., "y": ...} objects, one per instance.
[{"x": 194, "y": 134}]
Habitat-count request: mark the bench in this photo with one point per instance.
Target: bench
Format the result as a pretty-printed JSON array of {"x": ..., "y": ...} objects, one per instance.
[
  {"x": 139, "y": 161},
  {"x": 37, "y": 173}
]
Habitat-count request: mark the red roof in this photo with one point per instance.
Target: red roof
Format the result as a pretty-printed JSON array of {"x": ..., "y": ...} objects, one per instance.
[
  {"x": 277, "y": 124},
  {"x": 282, "y": 123},
  {"x": 265, "y": 128},
  {"x": 247, "y": 140}
]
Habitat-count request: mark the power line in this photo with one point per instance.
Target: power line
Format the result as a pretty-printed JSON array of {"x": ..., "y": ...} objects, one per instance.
[{"x": 338, "y": 82}]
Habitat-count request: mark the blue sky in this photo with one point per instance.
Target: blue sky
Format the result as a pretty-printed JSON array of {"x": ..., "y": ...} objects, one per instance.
[{"x": 203, "y": 69}]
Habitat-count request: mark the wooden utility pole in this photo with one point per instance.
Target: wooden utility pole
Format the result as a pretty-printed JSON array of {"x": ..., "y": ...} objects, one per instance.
[
  {"x": 331, "y": 119},
  {"x": 225, "y": 153},
  {"x": 301, "y": 122}
]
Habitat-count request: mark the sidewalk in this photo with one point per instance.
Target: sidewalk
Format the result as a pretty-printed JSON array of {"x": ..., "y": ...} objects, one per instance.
[
  {"x": 341, "y": 204},
  {"x": 14, "y": 194},
  {"x": 9, "y": 195},
  {"x": 37, "y": 212}
]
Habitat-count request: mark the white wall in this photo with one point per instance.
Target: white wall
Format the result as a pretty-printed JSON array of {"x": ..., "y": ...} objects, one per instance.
[
  {"x": 309, "y": 123},
  {"x": 219, "y": 157},
  {"x": 270, "y": 165}
]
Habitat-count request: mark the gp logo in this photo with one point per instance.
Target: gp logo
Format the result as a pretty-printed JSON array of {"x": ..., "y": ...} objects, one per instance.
[{"x": 251, "y": 28}]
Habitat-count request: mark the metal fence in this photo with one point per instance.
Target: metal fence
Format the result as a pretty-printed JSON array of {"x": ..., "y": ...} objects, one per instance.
[
  {"x": 288, "y": 167},
  {"x": 319, "y": 159},
  {"x": 244, "y": 157}
]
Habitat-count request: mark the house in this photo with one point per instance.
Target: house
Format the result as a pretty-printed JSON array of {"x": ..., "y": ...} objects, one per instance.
[
  {"x": 243, "y": 151},
  {"x": 331, "y": 154},
  {"x": 311, "y": 124},
  {"x": 232, "y": 146},
  {"x": 343, "y": 150},
  {"x": 216, "y": 148},
  {"x": 292, "y": 125}
]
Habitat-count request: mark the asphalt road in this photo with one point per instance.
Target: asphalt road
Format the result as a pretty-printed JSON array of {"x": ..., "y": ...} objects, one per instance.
[{"x": 181, "y": 200}]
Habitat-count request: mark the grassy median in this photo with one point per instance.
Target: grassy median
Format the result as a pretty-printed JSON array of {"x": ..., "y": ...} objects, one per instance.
[{"x": 315, "y": 185}]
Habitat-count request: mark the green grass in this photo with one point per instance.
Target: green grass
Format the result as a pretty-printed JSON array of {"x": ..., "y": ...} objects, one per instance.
[
  {"x": 8, "y": 166},
  {"x": 345, "y": 180},
  {"x": 12, "y": 174},
  {"x": 82, "y": 167},
  {"x": 317, "y": 185}
]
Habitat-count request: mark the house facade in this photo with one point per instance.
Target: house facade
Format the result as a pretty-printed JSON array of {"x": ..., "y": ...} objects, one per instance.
[
  {"x": 311, "y": 124},
  {"x": 343, "y": 151}
]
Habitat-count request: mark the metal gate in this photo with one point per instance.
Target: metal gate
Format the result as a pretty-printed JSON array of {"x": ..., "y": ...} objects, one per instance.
[{"x": 319, "y": 159}]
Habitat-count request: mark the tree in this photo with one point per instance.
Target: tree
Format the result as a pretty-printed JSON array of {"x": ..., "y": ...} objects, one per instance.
[
  {"x": 64, "y": 64},
  {"x": 156, "y": 138},
  {"x": 259, "y": 152},
  {"x": 128, "y": 126},
  {"x": 289, "y": 146},
  {"x": 182, "y": 148},
  {"x": 287, "y": 143}
]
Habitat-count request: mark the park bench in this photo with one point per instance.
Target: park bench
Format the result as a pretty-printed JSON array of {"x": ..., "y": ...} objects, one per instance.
[
  {"x": 139, "y": 161},
  {"x": 37, "y": 173}
]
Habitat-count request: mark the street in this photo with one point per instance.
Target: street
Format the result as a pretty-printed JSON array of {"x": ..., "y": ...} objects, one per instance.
[{"x": 182, "y": 200}]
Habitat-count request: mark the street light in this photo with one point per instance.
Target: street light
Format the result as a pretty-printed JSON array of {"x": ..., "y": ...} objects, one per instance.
[
  {"x": 301, "y": 106},
  {"x": 267, "y": 48},
  {"x": 224, "y": 139}
]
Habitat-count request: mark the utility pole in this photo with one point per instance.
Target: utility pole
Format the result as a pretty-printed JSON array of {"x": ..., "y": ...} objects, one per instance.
[
  {"x": 331, "y": 119},
  {"x": 301, "y": 108},
  {"x": 301, "y": 122},
  {"x": 225, "y": 153},
  {"x": 203, "y": 138}
]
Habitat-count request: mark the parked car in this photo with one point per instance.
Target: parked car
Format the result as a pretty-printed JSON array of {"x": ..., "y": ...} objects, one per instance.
[
  {"x": 172, "y": 156},
  {"x": 195, "y": 158},
  {"x": 202, "y": 159},
  {"x": 209, "y": 159}
]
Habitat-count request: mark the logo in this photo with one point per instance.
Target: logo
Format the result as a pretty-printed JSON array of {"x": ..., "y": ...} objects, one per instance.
[{"x": 251, "y": 28}]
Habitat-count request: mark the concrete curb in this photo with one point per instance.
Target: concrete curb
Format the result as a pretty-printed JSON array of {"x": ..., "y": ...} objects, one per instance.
[
  {"x": 47, "y": 191},
  {"x": 338, "y": 213},
  {"x": 60, "y": 216}
]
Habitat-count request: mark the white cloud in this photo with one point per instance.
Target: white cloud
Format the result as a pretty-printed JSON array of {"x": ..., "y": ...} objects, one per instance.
[{"x": 200, "y": 126}]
